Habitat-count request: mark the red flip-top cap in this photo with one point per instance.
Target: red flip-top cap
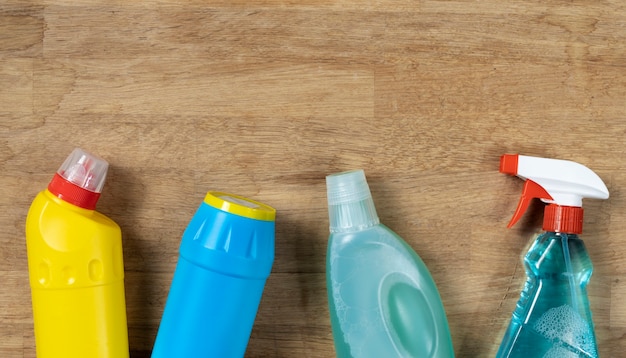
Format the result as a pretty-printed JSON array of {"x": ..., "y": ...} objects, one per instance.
[
  {"x": 72, "y": 193},
  {"x": 80, "y": 179}
]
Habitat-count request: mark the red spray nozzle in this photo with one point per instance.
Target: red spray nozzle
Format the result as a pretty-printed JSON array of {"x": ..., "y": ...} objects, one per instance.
[{"x": 508, "y": 164}]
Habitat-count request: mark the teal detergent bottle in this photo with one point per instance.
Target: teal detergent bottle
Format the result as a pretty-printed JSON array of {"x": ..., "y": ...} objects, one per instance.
[
  {"x": 383, "y": 301},
  {"x": 552, "y": 318}
]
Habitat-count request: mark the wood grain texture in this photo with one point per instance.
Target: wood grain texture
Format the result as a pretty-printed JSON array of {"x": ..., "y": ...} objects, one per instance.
[{"x": 265, "y": 98}]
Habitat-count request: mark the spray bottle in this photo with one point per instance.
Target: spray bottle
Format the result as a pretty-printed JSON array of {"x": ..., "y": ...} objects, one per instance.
[
  {"x": 226, "y": 255},
  {"x": 75, "y": 266},
  {"x": 552, "y": 318},
  {"x": 383, "y": 300}
]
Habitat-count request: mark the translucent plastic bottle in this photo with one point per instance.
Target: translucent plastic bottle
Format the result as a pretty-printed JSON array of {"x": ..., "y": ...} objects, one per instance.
[
  {"x": 552, "y": 318},
  {"x": 226, "y": 256},
  {"x": 75, "y": 266},
  {"x": 383, "y": 300}
]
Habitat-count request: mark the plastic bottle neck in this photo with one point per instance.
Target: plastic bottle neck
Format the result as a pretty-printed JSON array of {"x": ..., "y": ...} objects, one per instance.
[
  {"x": 72, "y": 193},
  {"x": 353, "y": 216},
  {"x": 565, "y": 219}
]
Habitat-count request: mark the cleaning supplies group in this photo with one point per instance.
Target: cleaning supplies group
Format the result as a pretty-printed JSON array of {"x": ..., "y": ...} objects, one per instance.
[
  {"x": 383, "y": 301},
  {"x": 76, "y": 272}
]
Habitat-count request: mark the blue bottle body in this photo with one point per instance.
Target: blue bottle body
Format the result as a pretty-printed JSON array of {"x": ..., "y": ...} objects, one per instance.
[
  {"x": 224, "y": 262},
  {"x": 552, "y": 317}
]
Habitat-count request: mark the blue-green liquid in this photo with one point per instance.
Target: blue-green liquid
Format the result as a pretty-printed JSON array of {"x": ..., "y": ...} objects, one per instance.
[
  {"x": 383, "y": 301},
  {"x": 552, "y": 318}
]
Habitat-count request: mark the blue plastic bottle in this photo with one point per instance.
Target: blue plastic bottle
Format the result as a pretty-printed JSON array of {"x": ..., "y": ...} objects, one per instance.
[
  {"x": 552, "y": 318},
  {"x": 383, "y": 300},
  {"x": 226, "y": 255}
]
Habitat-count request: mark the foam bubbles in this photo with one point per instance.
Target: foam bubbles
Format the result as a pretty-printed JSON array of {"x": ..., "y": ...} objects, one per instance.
[
  {"x": 565, "y": 326},
  {"x": 560, "y": 352}
]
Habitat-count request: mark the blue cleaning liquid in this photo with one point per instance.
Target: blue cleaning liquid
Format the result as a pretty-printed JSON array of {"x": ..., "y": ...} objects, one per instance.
[
  {"x": 552, "y": 318},
  {"x": 383, "y": 300}
]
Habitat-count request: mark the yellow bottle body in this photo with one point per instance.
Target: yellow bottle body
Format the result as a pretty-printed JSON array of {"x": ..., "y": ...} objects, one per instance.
[{"x": 77, "y": 281}]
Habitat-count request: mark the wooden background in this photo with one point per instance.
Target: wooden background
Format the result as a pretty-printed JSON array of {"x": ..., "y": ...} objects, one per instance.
[{"x": 265, "y": 98}]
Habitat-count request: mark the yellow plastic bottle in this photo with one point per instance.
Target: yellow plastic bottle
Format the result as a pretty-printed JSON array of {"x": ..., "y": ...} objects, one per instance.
[{"x": 75, "y": 266}]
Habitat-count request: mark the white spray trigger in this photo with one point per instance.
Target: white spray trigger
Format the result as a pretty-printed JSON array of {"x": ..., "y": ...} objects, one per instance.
[{"x": 554, "y": 181}]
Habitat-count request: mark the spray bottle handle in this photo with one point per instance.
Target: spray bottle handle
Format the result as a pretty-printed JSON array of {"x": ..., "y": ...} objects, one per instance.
[{"x": 531, "y": 191}]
